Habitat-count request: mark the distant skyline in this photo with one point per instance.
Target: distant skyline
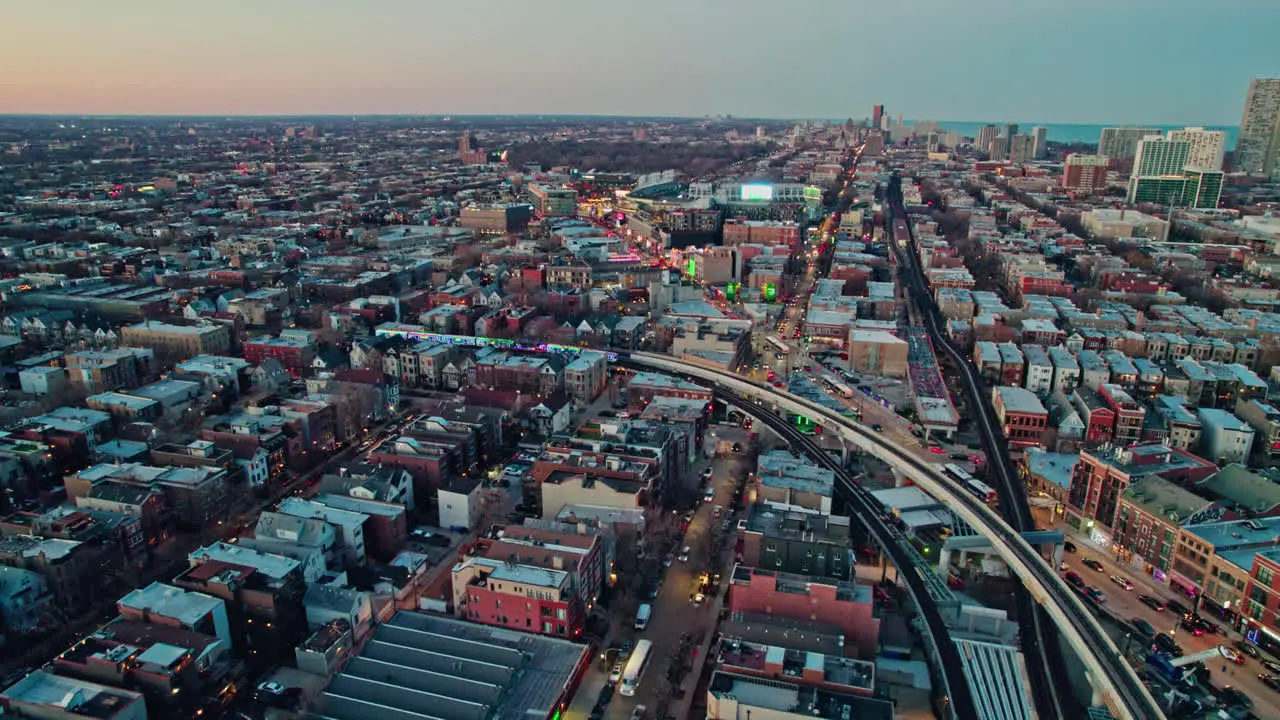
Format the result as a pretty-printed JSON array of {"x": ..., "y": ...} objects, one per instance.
[{"x": 1089, "y": 61}]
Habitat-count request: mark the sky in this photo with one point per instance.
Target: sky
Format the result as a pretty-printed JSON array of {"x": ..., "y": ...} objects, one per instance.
[{"x": 1051, "y": 61}]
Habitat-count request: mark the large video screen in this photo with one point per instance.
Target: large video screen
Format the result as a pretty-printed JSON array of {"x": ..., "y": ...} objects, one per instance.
[{"x": 757, "y": 192}]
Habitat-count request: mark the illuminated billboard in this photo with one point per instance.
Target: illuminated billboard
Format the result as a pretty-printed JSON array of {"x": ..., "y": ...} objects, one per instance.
[
  {"x": 770, "y": 291},
  {"x": 757, "y": 192}
]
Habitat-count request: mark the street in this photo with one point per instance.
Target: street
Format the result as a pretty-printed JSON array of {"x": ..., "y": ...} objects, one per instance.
[
  {"x": 673, "y": 616},
  {"x": 1124, "y": 605}
]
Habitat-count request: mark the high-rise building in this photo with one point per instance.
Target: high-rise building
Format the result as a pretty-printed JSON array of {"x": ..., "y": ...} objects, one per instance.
[
  {"x": 986, "y": 134},
  {"x": 1157, "y": 155},
  {"x": 999, "y": 149},
  {"x": 1258, "y": 149},
  {"x": 1040, "y": 136},
  {"x": 1207, "y": 147},
  {"x": 1021, "y": 149},
  {"x": 1203, "y": 187},
  {"x": 877, "y": 113},
  {"x": 933, "y": 142},
  {"x": 1010, "y": 129},
  {"x": 1156, "y": 189},
  {"x": 1084, "y": 173},
  {"x": 1120, "y": 143}
]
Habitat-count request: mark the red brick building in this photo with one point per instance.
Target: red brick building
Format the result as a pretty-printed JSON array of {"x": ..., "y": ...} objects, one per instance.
[
  {"x": 645, "y": 386},
  {"x": 295, "y": 354},
  {"x": 1022, "y": 416},
  {"x": 844, "y": 604},
  {"x": 1099, "y": 420},
  {"x": 518, "y": 597}
]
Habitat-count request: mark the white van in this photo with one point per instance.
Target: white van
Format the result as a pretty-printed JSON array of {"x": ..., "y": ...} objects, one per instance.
[{"x": 642, "y": 616}]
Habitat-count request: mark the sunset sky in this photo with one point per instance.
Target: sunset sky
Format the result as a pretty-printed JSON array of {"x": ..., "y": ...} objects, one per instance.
[{"x": 1130, "y": 61}]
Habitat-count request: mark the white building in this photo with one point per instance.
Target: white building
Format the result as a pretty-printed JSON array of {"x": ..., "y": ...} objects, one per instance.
[
  {"x": 1039, "y": 375},
  {"x": 1206, "y": 147},
  {"x": 1224, "y": 437}
]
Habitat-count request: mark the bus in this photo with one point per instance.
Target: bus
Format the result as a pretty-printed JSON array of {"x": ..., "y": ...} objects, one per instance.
[
  {"x": 781, "y": 347},
  {"x": 635, "y": 668},
  {"x": 981, "y": 490},
  {"x": 958, "y": 473},
  {"x": 844, "y": 390}
]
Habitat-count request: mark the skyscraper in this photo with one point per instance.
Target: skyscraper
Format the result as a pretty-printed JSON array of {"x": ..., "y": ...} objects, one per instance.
[
  {"x": 1157, "y": 155},
  {"x": 1084, "y": 173},
  {"x": 1206, "y": 146},
  {"x": 1258, "y": 148},
  {"x": 1021, "y": 149},
  {"x": 986, "y": 134},
  {"x": 1120, "y": 143},
  {"x": 1203, "y": 187},
  {"x": 877, "y": 112},
  {"x": 1158, "y": 171},
  {"x": 1040, "y": 137},
  {"x": 1010, "y": 129},
  {"x": 999, "y": 149}
]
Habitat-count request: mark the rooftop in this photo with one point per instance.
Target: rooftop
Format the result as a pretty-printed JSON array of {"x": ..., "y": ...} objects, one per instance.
[
  {"x": 1157, "y": 496},
  {"x": 429, "y": 666},
  {"x": 58, "y": 694},
  {"x": 1054, "y": 467},
  {"x": 1237, "y": 533},
  {"x": 998, "y": 676},
  {"x": 799, "y": 700},
  {"x": 171, "y": 602},
  {"x": 1020, "y": 400},
  {"x": 1236, "y": 487},
  {"x": 1216, "y": 417}
]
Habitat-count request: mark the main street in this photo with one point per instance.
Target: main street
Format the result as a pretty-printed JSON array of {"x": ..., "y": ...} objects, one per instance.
[{"x": 1125, "y": 606}]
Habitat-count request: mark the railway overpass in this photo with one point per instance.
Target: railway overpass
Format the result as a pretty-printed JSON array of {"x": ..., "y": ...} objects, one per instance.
[{"x": 1115, "y": 682}]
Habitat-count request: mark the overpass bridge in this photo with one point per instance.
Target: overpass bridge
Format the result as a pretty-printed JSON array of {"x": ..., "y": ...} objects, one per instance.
[{"x": 1114, "y": 681}]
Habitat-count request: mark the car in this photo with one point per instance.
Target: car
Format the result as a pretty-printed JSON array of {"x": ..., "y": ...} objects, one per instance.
[
  {"x": 718, "y": 510},
  {"x": 877, "y": 427},
  {"x": 1143, "y": 627},
  {"x": 1063, "y": 567},
  {"x": 1271, "y": 681},
  {"x": 706, "y": 474},
  {"x": 639, "y": 712},
  {"x": 624, "y": 651},
  {"x": 1231, "y": 696},
  {"x": 1069, "y": 546},
  {"x": 606, "y": 413},
  {"x": 698, "y": 598},
  {"x": 1208, "y": 626},
  {"x": 615, "y": 673},
  {"x": 1272, "y": 665},
  {"x": 1232, "y": 655},
  {"x": 1074, "y": 579},
  {"x": 606, "y": 694},
  {"x": 1093, "y": 565},
  {"x": 666, "y": 561},
  {"x": 1125, "y": 583},
  {"x": 1165, "y": 643},
  {"x": 1191, "y": 625},
  {"x": 684, "y": 554},
  {"x": 270, "y": 688},
  {"x": 1177, "y": 607},
  {"x": 1153, "y": 603},
  {"x": 959, "y": 456},
  {"x": 709, "y": 495},
  {"x": 1249, "y": 649},
  {"x": 937, "y": 450},
  {"x": 1095, "y": 595}
]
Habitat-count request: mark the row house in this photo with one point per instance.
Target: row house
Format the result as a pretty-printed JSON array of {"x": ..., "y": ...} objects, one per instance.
[
  {"x": 1066, "y": 371},
  {"x": 1129, "y": 413},
  {"x": 1150, "y": 516},
  {"x": 1098, "y": 418},
  {"x": 534, "y": 375},
  {"x": 1022, "y": 417},
  {"x": 1102, "y": 474}
]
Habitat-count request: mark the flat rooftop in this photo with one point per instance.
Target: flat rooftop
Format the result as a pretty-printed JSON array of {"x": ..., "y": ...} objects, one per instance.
[
  {"x": 420, "y": 666},
  {"x": 786, "y": 697},
  {"x": 64, "y": 696}
]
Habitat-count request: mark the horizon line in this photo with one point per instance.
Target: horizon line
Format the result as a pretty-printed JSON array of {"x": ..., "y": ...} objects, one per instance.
[{"x": 442, "y": 116}]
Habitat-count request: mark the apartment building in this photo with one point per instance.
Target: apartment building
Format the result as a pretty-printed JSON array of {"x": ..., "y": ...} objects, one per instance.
[
  {"x": 1023, "y": 418},
  {"x": 175, "y": 343},
  {"x": 511, "y": 594},
  {"x": 1102, "y": 474}
]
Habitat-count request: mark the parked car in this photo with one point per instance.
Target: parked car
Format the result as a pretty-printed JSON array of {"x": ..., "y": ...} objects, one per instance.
[
  {"x": 1192, "y": 626},
  {"x": 1125, "y": 583},
  {"x": 615, "y": 674},
  {"x": 1069, "y": 546},
  {"x": 684, "y": 554},
  {"x": 639, "y": 712},
  {"x": 1093, "y": 565},
  {"x": 1249, "y": 649},
  {"x": 1175, "y": 606},
  {"x": 1272, "y": 665},
  {"x": 1144, "y": 628},
  {"x": 1074, "y": 579},
  {"x": 1232, "y": 655},
  {"x": 1165, "y": 643},
  {"x": 1153, "y": 603},
  {"x": 877, "y": 427}
]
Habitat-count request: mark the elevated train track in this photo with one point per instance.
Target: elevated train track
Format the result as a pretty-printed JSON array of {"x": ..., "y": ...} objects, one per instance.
[{"x": 1119, "y": 686}]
